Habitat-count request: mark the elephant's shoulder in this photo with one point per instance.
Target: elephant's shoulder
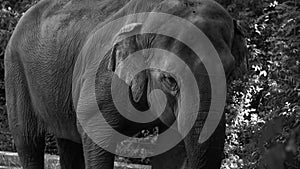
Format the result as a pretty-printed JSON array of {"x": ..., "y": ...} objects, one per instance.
[
  {"x": 209, "y": 16},
  {"x": 28, "y": 27}
]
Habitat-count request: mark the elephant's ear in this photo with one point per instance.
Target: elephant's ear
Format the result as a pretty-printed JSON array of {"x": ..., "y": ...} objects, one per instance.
[
  {"x": 239, "y": 48},
  {"x": 112, "y": 60},
  {"x": 234, "y": 66},
  {"x": 126, "y": 42},
  {"x": 120, "y": 48}
]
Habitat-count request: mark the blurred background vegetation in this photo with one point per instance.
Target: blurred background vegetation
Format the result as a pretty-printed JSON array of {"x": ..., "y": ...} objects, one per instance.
[{"x": 263, "y": 110}]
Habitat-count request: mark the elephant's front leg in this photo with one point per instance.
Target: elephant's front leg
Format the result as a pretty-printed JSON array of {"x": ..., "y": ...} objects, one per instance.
[
  {"x": 172, "y": 159},
  {"x": 175, "y": 158},
  {"x": 209, "y": 154},
  {"x": 95, "y": 156},
  {"x": 97, "y": 122}
]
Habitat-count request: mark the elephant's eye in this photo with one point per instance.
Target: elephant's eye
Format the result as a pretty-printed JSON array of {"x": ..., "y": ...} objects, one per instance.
[{"x": 169, "y": 82}]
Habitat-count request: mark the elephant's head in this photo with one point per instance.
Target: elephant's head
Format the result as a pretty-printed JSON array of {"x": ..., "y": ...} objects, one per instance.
[
  {"x": 229, "y": 44},
  {"x": 143, "y": 82},
  {"x": 127, "y": 58}
]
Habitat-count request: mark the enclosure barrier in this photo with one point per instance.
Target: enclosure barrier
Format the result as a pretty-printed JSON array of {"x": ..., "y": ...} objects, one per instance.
[{"x": 9, "y": 160}]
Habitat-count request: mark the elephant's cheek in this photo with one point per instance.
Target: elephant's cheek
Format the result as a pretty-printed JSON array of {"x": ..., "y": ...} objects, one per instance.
[
  {"x": 163, "y": 106},
  {"x": 187, "y": 110},
  {"x": 171, "y": 111},
  {"x": 168, "y": 116},
  {"x": 157, "y": 101}
]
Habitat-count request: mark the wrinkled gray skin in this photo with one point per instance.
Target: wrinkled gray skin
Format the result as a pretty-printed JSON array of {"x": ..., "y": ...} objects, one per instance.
[{"x": 39, "y": 67}]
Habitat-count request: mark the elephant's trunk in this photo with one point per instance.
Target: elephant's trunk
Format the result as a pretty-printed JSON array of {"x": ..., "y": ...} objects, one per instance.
[{"x": 192, "y": 122}]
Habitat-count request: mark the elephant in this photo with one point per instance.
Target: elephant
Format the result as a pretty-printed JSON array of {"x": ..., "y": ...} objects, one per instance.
[{"x": 47, "y": 78}]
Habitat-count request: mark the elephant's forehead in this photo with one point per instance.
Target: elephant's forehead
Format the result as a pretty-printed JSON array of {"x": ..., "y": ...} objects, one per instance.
[
  {"x": 151, "y": 59},
  {"x": 131, "y": 65},
  {"x": 167, "y": 61}
]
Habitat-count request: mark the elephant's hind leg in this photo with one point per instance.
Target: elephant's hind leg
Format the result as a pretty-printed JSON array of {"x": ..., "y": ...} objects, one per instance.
[
  {"x": 31, "y": 151},
  {"x": 26, "y": 128},
  {"x": 95, "y": 156},
  {"x": 71, "y": 154}
]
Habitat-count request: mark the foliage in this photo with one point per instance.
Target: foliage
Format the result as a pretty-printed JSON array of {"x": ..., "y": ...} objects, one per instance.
[{"x": 263, "y": 109}]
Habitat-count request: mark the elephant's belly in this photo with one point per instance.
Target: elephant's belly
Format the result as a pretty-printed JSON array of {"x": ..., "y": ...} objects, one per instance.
[
  {"x": 68, "y": 132},
  {"x": 57, "y": 113},
  {"x": 64, "y": 127}
]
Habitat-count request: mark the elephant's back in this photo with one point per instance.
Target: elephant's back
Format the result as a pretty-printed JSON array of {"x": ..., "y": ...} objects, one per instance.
[{"x": 42, "y": 52}]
